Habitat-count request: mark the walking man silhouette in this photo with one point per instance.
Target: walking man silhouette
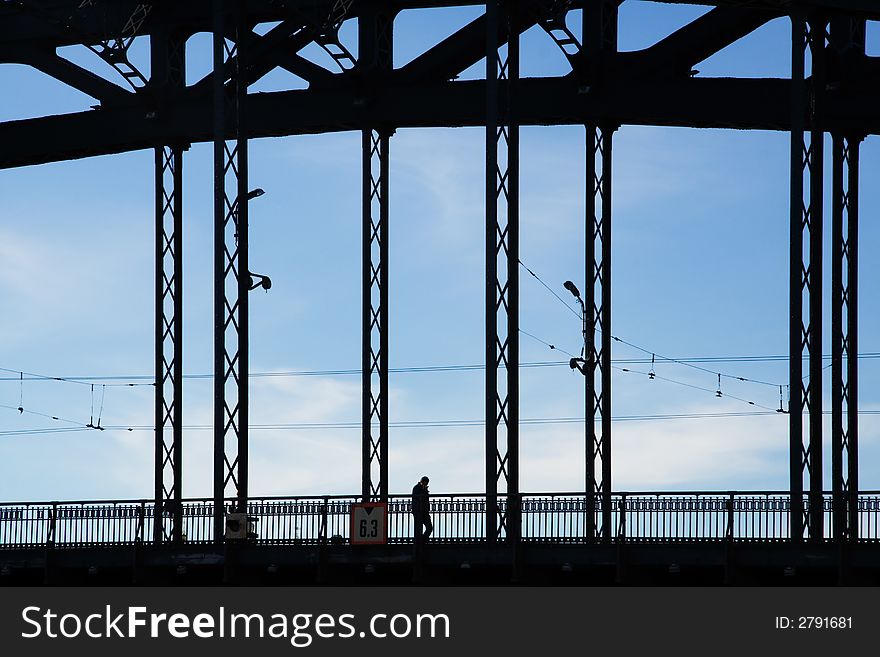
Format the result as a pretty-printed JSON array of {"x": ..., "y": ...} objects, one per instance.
[{"x": 421, "y": 509}]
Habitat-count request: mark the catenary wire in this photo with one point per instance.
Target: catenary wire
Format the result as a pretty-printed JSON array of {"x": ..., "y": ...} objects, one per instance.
[
  {"x": 88, "y": 380},
  {"x": 550, "y": 289},
  {"x": 654, "y": 354}
]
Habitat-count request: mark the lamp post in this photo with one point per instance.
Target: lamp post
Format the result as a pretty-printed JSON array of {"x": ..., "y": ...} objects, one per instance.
[
  {"x": 579, "y": 364},
  {"x": 585, "y": 365},
  {"x": 254, "y": 280},
  {"x": 250, "y": 196},
  {"x": 232, "y": 420}
]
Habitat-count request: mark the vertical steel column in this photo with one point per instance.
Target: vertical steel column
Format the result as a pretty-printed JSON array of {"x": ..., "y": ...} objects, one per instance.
[
  {"x": 502, "y": 274},
  {"x": 600, "y": 40},
  {"x": 374, "y": 388},
  {"x": 795, "y": 286},
  {"x": 598, "y": 308},
  {"x": 168, "y": 56},
  {"x": 848, "y": 44},
  {"x": 850, "y": 295},
  {"x": 167, "y": 520},
  {"x": 375, "y": 60},
  {"x": 818, "y": 30},
  {"x": 230, "y": 266},
  {"x": 805, "y": 333},
  {"x": 839, "y": 203},
  {"x": 844, "y": 343}
]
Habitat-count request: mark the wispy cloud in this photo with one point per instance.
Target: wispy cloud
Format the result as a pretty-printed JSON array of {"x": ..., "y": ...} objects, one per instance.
[{"x": 664, "y": 455}]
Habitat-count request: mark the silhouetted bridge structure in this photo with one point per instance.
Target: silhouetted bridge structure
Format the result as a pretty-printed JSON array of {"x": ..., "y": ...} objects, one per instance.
[
  {"x": 807, "y": 531},
  {"x": 664, "y": 537}
]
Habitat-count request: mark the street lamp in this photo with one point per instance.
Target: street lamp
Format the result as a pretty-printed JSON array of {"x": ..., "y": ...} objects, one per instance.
[
  {"x": 263, "y": 281},
  {"x": 579, "y": 364},
  {"x": 250, "y": 196},
  {"x": 254, "y": 280}
]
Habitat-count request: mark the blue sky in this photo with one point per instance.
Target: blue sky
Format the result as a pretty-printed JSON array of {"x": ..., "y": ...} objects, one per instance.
[{"x": 700, "y": 270}]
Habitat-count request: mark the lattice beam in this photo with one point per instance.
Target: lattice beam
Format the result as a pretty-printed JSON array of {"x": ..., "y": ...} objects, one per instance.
[
  {"x": 805, "y": 330},
  {"x": 167, "y": 522},
  {"x": 231, "y": 278},
  {"x": 375, "y": 316},
  {"x": 502, "y": 276},
  {"x": 169, "y": 66},
  {"x": 600, "y": 43},
  {"x": 375, "y": 61}
]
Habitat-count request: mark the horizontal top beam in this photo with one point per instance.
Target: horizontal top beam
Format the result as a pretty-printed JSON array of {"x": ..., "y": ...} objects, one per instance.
[{"x": 761, "y": 104}]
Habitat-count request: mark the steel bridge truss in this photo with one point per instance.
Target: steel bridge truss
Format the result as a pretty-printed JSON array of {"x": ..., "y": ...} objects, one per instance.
[
  {"x": 831, "y": 46},
  {"x": 231, "y": 273},
  {"x": 376, "y": 59},
  {"x": 600, "y": 40},
  {"x": 169, "y": 342},
  {"x": 805, "y": 331},
  {"x": 606, "y": 89},
  {"x": 502, "y": 270},
  {"x": 847, "y": 39},
  {"x": 168, "y": 65},
  {"x": 374, "y": 389}
]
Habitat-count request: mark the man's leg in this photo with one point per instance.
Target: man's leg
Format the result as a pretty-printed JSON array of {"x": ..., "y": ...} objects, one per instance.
[{"x": 429, "y": 527}]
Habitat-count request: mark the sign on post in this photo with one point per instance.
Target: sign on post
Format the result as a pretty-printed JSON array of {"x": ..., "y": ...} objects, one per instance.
[{"x": 369, "y": 524}]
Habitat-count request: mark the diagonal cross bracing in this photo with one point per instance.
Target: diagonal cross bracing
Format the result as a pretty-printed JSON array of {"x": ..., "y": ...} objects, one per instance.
[
  {"x": 230, "y": 263},
  {"x": 167, "y": 521},
  {"x": 805, "y": 327},
  {"x": 502, "y": 274}
]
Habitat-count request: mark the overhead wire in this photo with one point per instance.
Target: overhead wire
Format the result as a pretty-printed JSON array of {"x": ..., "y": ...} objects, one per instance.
[
  {"x": 84, "y": 381},
  {"x": 422, "y": 424},
  {"x": 716, "y": 392},
  {"x": 88, "y": 380},
  {"x": 355, "y": 425},
  {"x": 646, "y": 351},
  {"x": 57, "y": 418},
  {"x": 425, "y": 424},
  {"x": 550, "y": 289},
  {"x": 686, "y": 362},
  {"x": 692, "y": 365},
  {"x": 42, "y": 431},
  {"x": 689, "y": 362},
  {"x": 546, "y": 344}
]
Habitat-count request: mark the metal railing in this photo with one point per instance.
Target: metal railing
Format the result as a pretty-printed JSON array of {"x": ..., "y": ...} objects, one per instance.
[{"x": 554, "y": 518}]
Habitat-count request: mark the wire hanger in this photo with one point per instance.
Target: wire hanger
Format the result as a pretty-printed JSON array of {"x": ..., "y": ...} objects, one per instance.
[
  {"x": 101, "y": 408},
  {"x": 91, "y": 424}
]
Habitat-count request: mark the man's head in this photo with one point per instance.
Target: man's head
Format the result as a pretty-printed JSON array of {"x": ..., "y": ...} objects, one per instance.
[{"x": 424, "y": 481}]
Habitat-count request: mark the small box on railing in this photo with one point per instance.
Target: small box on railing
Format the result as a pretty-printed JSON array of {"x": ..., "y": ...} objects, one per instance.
[{"x": 236, "y": 526}]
